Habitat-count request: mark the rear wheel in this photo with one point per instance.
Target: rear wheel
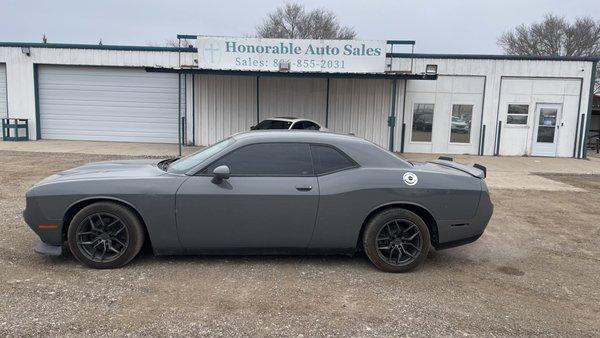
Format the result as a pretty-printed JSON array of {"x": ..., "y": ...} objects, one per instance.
[
  {"x": 105, "y": 235},
  {"x": 396, "y": 240}
]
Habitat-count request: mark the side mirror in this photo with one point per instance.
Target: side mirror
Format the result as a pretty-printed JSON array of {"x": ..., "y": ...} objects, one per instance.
[{"x": 220, "y": 173}]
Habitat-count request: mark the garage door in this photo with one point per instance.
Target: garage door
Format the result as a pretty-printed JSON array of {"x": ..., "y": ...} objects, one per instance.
[
  {"x": 3, "y": 96},
  {"x": 108, "y": 104}
]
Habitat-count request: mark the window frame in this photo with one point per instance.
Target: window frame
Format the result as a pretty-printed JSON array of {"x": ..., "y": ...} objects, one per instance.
[
  {"x": 518, "y": 125},
  {"x": 470, "y": 127},
  {"x": 413, "y": 122},
  {"x": 201, "y": 171}
]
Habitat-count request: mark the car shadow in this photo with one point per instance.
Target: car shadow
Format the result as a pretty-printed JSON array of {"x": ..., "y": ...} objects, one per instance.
[{"x": 436, "y": 261}]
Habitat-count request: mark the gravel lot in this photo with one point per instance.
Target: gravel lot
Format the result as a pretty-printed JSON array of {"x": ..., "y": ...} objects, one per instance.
[{"x": 535, "y": 271}]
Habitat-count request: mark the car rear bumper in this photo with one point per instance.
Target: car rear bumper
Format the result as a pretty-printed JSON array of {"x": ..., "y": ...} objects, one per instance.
[{"x": 454, "y": 233}]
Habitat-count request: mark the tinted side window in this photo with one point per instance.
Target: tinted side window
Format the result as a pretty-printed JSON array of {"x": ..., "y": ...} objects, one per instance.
[
  {"x": 267, "y": 159},
  {"x": 298, "y": 125},
  {"x": 273, "y": 124},
  {"x": 328, "y": 159},
  {"x": 310, "y": 126}
]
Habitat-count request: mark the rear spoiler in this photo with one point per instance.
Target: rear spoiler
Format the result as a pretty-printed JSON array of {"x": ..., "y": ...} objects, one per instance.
[{"x": 477, "y": 170}]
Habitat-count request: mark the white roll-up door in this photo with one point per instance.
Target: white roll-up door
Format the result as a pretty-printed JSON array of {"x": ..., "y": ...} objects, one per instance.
[
  {"x": 3, "y": 95},
  {"x": 108, "y": 104}
]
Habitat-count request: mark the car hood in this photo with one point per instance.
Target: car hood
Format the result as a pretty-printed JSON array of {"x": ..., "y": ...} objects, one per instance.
[{"x": 108, "y": 170}]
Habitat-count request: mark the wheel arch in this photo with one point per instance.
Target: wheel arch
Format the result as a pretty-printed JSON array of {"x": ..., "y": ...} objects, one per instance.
[
  {"x": 75, "y": 207},
  {"x": 418, "y": 209}
]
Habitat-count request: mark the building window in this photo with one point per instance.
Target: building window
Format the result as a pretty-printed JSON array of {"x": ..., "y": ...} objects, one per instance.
[
  {"x": 460, "y": 129},
  {"x": 422, "y": 122},
  {"x": 517, "y": 114}
]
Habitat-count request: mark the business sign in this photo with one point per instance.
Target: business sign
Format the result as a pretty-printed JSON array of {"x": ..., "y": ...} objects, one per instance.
[{"x": 274, "y": 55}]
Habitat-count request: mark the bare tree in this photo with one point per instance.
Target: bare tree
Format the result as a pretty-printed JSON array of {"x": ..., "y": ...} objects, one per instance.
[
  {"x": 292, "y": 21},
  {"x": 185, "y": 43},
  {"x": 555, "y": 36}
]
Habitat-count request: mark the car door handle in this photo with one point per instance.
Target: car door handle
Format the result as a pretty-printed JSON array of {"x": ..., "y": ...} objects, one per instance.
[{"x": 304, "y": 187}]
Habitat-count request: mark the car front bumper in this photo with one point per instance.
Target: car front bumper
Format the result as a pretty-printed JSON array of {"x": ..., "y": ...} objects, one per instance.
[
  {"x": 45, "y": 249},
  {"x": 50, "y": 243}
]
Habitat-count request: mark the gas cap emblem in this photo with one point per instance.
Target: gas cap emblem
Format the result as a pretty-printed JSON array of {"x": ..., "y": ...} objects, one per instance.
[{"x": 410, "y": 178}]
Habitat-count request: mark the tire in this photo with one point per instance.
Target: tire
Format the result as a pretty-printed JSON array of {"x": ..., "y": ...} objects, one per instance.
[
  {"x": 105, "y": 235},
  {"x": 399, "y": 256}
]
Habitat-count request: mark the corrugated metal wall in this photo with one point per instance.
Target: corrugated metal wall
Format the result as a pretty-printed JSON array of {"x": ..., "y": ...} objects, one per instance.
[
  {"x": 297, "y": 97},
  {"x": 107, "y": 104},
  {"x": 361, "y": 107},
  {"x": 3, "y": 96},
  {"x": 225, "y": 105}
]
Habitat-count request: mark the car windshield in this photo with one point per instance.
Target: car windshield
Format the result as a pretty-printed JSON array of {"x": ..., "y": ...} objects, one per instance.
[
  {"x": 273, "y": 124},
  {"x": 188, "y": 162}
]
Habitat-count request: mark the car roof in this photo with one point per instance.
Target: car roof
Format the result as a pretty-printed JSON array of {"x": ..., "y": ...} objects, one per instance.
[
  {"x": 278, "y": 135},
  {"x": 361, "y": 150},
  {"x": 289, "y": 119}
]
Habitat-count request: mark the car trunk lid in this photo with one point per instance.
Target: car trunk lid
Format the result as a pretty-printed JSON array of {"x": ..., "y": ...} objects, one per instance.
[{"x": 477, "y": 170}]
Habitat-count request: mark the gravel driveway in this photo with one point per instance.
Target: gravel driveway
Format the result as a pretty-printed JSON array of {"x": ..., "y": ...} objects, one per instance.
[{"x": 535, "y": 271}]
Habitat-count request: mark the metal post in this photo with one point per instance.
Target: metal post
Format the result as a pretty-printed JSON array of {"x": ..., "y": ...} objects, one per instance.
[
  {"x": 392, "y": 118},
  {"x": 497, "y": 152},
  {"x": 403, "y": 119},
  {"x": 257, "y": 99},
  {"x": 327, "y": 106},
  {"x": 481, "y": 126},
  {"x": 193, "y": 109},
  {"x": 36, "y": 89},
  {"x": 482, "y": 146},
  {"x": 590, "y": 104},
  {"x": 581, "y": 132},
  {"x": 403, "y": 135},
  {"x": 179, "y": 111}
]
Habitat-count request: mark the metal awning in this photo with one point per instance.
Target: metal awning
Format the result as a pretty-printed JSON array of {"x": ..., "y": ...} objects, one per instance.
[{"x": 389, "y": 76}]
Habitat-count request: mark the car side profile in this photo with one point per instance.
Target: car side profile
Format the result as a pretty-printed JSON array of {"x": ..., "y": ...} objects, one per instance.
[
  {"x": 263, "y": 192},
  {"x": 289, "y": 123}
]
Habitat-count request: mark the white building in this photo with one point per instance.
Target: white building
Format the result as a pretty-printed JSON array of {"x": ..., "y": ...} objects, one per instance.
[{"x": 476, "y": 104}]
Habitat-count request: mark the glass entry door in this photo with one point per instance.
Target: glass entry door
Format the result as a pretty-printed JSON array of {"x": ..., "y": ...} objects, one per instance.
[{"x": 547, "y": 126}]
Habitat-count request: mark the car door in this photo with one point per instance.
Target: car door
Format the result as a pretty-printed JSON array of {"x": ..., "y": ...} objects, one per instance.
[{"x": 268, "y": 204}]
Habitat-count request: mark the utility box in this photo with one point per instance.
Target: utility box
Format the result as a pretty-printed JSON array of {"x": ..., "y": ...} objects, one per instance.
[{"x": 15, "y": 130}]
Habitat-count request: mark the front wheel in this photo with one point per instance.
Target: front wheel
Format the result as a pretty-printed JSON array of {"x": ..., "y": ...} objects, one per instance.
[
  {"x": 396, "y": 240},
  {"x": 105, "y": 235}
]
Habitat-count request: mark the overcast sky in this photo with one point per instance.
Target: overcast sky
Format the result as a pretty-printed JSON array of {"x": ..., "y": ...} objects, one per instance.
[{"x": 438, "y": 26}]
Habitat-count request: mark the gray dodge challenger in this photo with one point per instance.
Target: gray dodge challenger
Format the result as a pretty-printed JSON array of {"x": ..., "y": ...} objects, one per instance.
[{"x": 263, "y": 192}]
